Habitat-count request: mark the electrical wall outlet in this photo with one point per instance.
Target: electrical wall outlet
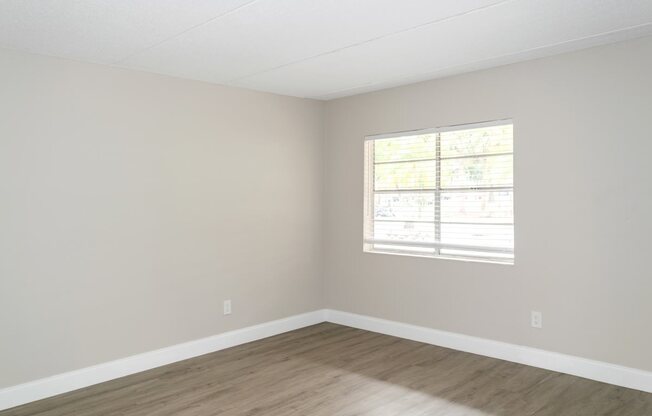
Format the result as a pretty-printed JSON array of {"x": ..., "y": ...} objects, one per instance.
[
  {"x": 536, "y": 319},
  {"x": 227, "y": 307}
]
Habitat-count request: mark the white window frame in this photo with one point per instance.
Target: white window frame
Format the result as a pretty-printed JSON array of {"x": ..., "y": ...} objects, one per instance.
[{"x": 369, "y": 192}]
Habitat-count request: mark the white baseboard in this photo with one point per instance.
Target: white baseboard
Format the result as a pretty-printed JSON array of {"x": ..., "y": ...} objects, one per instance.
[
  {"x": 73, "y": 380},
  {"x": 568, "y": 364}
]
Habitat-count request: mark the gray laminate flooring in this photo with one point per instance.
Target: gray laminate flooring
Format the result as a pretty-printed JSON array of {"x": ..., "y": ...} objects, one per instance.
[{"x": 329, "y": 370}]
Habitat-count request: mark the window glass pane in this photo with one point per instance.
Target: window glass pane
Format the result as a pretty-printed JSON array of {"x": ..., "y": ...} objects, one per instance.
[
  {"x": 405, "y": 175},
  {"x": 477, "y": 172},
  {"x": 478, "y": 235},
  {"x": 480, "y": 141},
  {"x": 422, "y": 146},
  {"x": 478, "y": 207},
  {"x": 405, "y": 206},
  {"x": 404, "y": 231},
  {"x": 472, "y": 198}
]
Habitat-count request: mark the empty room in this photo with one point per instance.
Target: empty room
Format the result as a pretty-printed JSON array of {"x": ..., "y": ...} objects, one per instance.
[{"x": 325, "y": 207}]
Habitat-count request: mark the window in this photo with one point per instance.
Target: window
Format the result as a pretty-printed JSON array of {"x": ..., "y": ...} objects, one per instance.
[{"x": 444, "y": 192}]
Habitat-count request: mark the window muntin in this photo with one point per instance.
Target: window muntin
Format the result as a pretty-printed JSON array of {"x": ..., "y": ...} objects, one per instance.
[{"x": 446, "y": 192}]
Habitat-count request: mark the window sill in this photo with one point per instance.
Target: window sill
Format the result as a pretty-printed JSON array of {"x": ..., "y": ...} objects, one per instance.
[{"x": 426, "y": 256}]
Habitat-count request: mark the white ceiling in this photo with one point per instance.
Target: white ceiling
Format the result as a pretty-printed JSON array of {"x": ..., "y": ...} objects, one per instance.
[{"x": 315, "y": 48}]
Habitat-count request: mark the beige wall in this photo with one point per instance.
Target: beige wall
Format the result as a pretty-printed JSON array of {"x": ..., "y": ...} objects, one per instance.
[
  {"x": 132, "y": 204},
  {"x": 583, "y": 206}
]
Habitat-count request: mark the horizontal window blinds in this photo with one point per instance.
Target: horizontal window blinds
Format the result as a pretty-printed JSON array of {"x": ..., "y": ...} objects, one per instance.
[{"x": 445, "y": 192}]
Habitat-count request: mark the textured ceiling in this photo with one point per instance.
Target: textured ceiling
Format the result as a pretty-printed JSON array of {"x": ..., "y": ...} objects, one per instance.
[{"x": 315, "y": 48}]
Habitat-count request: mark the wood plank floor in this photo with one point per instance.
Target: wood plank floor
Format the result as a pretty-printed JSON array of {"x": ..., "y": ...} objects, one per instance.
[{"x": 327, "y": 370}]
